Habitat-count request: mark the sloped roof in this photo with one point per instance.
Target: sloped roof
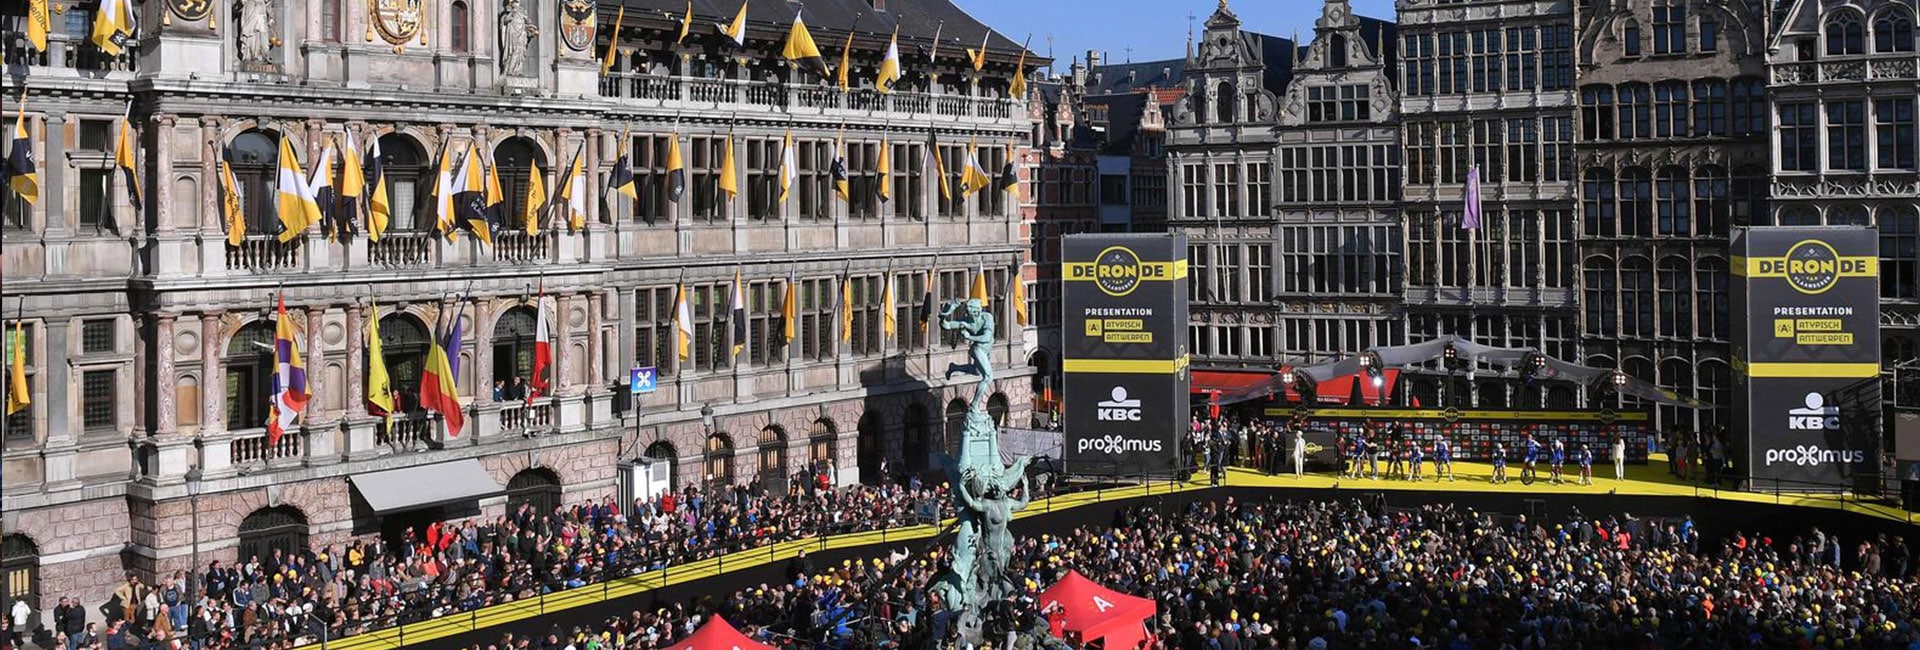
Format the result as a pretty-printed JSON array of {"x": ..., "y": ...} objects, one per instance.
[
  {"x": 1130, "y": 77},
  {"x": 917, "y": 19},
  {"x": 1123, "y": 120}
]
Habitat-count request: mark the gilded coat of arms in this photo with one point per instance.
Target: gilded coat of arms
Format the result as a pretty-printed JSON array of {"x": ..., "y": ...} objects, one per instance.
[
  {"x": 192, "y": 11},
  {"x": 577, "y": 24},
  {"x": 397, "y": 21}
]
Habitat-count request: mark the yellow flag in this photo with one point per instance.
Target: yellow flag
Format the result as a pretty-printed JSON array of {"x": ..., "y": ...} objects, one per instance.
[
  {"x": 890, "y": 66},
  {"x": 846, "y": 309},
  {"x": 1018, "y": 88},
  {"x": 885, "y": 169},
  {"x": 18, "y": 396},
  {"x": 379, "y": 385},
  {"x": 729, "y": 176},
  {"x": 846, "y": 62},
  {"x": 294, "y": 200},
  {"x": 686, "y": 23},
  {"x": 1020, "y": 299},
  {"x": 613, "y": 43},
  {"x": 230, "y": 210},
  {"x": 888, "y": 321},
  {"x": 536, "y": 199},
  {"x": 683, "y": 325},
  {"x": 979, "y": 291},
  {"x": 801, "y": 50},
  {"x": 38, "y": 24},
  {"x": 979, "y": 57},
  {"x": 789, "y": 309},
  {"x": 112, "y": 23}
]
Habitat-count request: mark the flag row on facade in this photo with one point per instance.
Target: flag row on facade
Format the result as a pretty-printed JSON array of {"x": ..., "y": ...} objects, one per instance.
[
  {"x": 800, "y": 50},
  {"x": 113, "y": 25}
]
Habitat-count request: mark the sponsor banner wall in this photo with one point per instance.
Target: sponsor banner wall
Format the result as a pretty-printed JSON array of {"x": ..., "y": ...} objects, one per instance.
[
  {"x": 1124, "y": 353},
  {"x": 1806, "y": 356}
]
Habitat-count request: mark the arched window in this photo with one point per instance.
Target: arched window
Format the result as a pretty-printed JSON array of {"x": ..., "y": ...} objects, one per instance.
[
  {"x": 1596, "y": 112},
  {"x": 1709, "y": 108},
  {"x": 249, "y": 375},
  {"x": 1675, "y": 202},
  {"x": 515, "y": 157},
  {"x": 997, "y": 409},
  {"x": 1597, "y": 206},
  {"x": 1224, "y": 102},
  {"x": 1799, "y": 215},
  {"x": 1600, "y": 303},
  {"x": 1848, "y": 214},
  {"x": 1636, "y": 111},
  {"x": 1893, "y": 30},
  {"x": 513, "y": 351},
  {"x": 956, "y": 422},
  {"x": 403, "y": 346},
  {"x": 916, "y": 449},
  {"x": 460, "y": 27},
  {"x": 1636, "y": 203},
  {"x": 1630, "y": 38},
  {"x": 771, "y": 455},
  {"x": 1711, "y": 278},
  {"x": 538, "y": 487},
  {"x": 1710, "y": 202},
  {"x": 1676, "y": 375},
  {"x": 1676, "y": 297},
  {"x": 1636, "y": 298},
  {"x": 1845, "y": 34},
  {"x": 255, "y": 158},
  {"x": 404, "y": 164},
  {"x": 20, "y": 566},
  {"x": 717, "y": 463},
  {"x": 1716, "y": 379},
  {"x": 280, "y": 528},
  {"x": 820, "y": 443}
]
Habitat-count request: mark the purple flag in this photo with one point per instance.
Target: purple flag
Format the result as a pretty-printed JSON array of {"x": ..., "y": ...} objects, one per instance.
[{"x": 1470, "y": 218}]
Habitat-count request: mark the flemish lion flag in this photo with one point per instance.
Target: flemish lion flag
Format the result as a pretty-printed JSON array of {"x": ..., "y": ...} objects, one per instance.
[
  {"x": 801, "y": 50},
  {"x": 123, "y": 159},
  {"x": 321, "y": 184},
  {"x": 230, "y": 210},
  {"x": 927, "y": 307},
  {"x": 536, "y": 200},
  {"x": 18, "y": 394}
]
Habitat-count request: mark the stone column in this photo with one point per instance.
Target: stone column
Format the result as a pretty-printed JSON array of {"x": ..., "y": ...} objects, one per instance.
[
  {"x": 316, "y": 358},
  {"x": 164, "y": 383},
  {"x": 596, "y": 364},
  {"x": 53, "y": 143},
  {"x": 56, "y": 380},
  {"x": 356, "y": 405},
  {"x": 562, "y": 335},
  {"x": 210, "y": 176},
  {"x": 212, "y": 375},
  {"x": 592, "y": 143},
  {"x": 482, "y": 335},
  {"x": 160, "y": 195}
]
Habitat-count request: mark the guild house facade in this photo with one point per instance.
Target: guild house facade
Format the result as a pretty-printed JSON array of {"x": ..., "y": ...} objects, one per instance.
[{"x": 148, "y": 329}]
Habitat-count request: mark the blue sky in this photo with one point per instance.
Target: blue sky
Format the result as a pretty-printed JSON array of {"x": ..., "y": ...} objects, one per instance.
[{"x": 1155, "y": 29}]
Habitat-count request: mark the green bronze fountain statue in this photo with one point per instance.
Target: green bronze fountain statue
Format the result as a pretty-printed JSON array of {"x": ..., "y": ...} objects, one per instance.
[{"x": 983, "y": 488}]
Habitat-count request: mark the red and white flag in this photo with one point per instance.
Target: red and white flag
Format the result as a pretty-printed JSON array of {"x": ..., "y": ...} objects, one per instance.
[{"x": 542, "y": 349}]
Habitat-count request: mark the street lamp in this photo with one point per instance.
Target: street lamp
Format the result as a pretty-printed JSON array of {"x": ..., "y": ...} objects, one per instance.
[
  {"x": 193, "y": 499},
  {"x": 706, "y": 417}
]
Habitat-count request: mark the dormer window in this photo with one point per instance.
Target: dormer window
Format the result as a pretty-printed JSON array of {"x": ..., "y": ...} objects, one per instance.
[
  {"x": 1669, "y": 29},
  {"x": 1630, "y": 39},
  {"x": 1337, "y": 51}
]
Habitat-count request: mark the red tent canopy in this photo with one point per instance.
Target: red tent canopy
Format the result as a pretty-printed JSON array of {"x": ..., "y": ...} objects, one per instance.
[
  {"x": 1097, "y": 612},
  {"x": 716, "y": 634}
]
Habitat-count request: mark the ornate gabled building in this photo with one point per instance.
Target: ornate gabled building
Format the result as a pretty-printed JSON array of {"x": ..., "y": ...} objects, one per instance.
[
  {"x": 1490, "y": 83},
  {"x": 144, "y": 325},
  {"x": 1220, "y": 160},
  {"x": 1844, "y": 87},
  {"x": 1672, "y": 144},
  {"x": 1333, "y": 282}
]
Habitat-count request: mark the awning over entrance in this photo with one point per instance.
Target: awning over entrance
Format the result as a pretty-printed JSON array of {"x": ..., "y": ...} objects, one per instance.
[{"x": 408, "y": 488}]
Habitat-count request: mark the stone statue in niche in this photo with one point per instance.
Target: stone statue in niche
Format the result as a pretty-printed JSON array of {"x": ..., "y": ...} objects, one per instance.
[
  {"x": 516, "y": 32},
  {"x": 256, "y": 31}
]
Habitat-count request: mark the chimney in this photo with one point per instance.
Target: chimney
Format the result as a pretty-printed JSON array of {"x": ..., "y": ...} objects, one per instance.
[{"x": 1093, "y": 58}]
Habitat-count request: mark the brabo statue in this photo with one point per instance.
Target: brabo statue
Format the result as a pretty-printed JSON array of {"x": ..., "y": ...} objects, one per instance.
[{"x": 983, "y": 488}]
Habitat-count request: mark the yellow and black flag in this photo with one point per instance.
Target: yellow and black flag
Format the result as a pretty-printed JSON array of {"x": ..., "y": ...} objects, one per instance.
[
  {"x": 686, "y": 24},
  {"x": 123, "y": 157},
  {"x": 885, "y": 170},
  {"x": 839, "y": 169},
  {"x": 113, "y": 25},
  {"x": 676, "y": 170},
  {"x": 973, "y": 177},
  {"x": 379, "y": 202},
  {"x": 22, "y": 175},
  {"x": 622, "y": 180},
  {"x": 353, "y": 187},
  {"x": 927, "y": 306},
  {"x": 230, "y": 210},
  {"x": 890, "y": 65},
  {"x": 536, "y": 200},
  {"x": 737, "y": 30},
  {"x": 933, "y": 166},
  {"x": 1009, "y": 180},
  {"x": 801, "y": 51}
]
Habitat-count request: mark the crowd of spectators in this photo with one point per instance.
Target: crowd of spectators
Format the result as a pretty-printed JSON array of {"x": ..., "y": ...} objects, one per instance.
[
  {"x": 336, "y": 591},
  {"x": 1246, "y": 576}
]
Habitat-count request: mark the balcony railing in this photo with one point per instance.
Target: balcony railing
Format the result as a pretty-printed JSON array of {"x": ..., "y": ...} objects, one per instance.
[
  {"x": 518, "y": 246},
  {"x": 68, "y": 51},
  {"x": 523, "y": 418},
  {"x": 401, "y": 249},
  {"x": 1854, "y": 70},
  {"x": 251, "y": 448},
  {"x": 264, "y": 253},
  {"x": 408, "y": 431},
  {"x": 785, "y": 97}
]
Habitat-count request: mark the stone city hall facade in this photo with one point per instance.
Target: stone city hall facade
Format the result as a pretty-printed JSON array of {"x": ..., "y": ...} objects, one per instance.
[{"x": 145, "y": 329}]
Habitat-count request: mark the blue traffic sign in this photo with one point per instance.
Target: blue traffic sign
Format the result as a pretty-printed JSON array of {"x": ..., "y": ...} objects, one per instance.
[{"x": 643, "y": 380}]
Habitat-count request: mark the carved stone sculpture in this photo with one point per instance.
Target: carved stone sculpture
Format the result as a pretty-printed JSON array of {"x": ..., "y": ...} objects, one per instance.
[
  {"x": 256, "y": 31},
  {"x": 516, "y": 32}
]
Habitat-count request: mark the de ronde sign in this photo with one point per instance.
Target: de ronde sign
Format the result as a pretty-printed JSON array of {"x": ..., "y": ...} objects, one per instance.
[
  {"x": 1125, "y": 353},
  {"x": 1806, "y": 355}
]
